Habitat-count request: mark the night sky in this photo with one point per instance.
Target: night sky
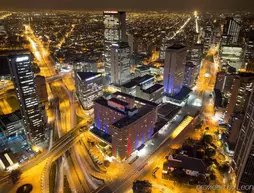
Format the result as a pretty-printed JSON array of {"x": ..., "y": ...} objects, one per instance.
[{"x": 172, "y": 5}]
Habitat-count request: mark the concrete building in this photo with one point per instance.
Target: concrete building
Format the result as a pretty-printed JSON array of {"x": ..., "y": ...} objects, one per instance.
[
  {"x": 142, "y": 70},
  {"x": 224, "y": 83},
  {"x": 233, "y": 56},
  {"x": 20, "y": 65},
  {"x": 8, "y": 162},
  {"x": 190, "y": 74},
  {"x": 241, "y": 89},
  {"x": 208, "y": 36},
  {"x": 144, "y": 82},
  {"x": 237, "y": 105},
  {"x": 231, "y": 30},
  {"x": 153, "y": 93},
  {"x": 114, "y": 32},
  {"x": 128, "y": 120},
  {"x": 12, "y": 124},
  {"x": 174, "y": 69},
  {"x": 249, "y": 52},
  {"x": 195, "y": 54},
  {"x": 244, "y": 151},
  {"x": 120, "y": 63},
  {"x": 85, "y": 66},
  {"x": 89, "y": 87},
  {"x": 41, "y": 88}
]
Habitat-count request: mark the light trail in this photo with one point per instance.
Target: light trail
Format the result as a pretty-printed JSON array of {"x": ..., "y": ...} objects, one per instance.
[
  {"x": 180, "y": 29},
  {"x": 66, "y": 36},
  {"x": 5, "y": 16}
]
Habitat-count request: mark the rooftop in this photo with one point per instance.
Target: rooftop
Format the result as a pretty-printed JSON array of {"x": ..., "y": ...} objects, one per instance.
[
  {"x": 168, "y": 111},
  {"x": 120, "y": 102},
  {"x": 182, "y": 94},
  {"x": 143, "y": 67},
  {"x": 102, "y": 101},
  {"x": 136, "y": 98},
  {"x": 10, "y": 118},
  {"x": 153, "y": 88},
  {"x": 176, "y": 47},
  {"x": 190, "y": 64},
  {"x": 126, "y": 121},
  {"x": 185, "y": 162},
  {"x": 137, "y": 80},
  {"x": 86, "y": 76}
]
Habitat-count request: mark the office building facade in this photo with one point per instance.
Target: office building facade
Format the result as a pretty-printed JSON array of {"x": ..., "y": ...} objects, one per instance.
[
  {"x": 89, "y": 87},
  {"x": 190, "y": 74},
  {"x": 114, "y": 32},
  {"x": 174, "y": 66},
  {"x": 120, "y": 63},
  {"x": 233, "y": 56},
  {"x": 231, "y": 30},
  {"x": 244, "y": 150},
  {"x": 23, "y": 78},
  {"x": 129, "y": 120}
]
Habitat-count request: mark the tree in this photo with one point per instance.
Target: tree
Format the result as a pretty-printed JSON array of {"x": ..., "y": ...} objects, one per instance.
[
  {"x": 140, "y": 186},
  {"x": 224, "y": 168},
  {"x": 106, "y": 163},
  {"x": 210, "y": 152},
  {"x": 212, "y": 176},
  {"x": 15, "y": 176},
  {"x": 208, "y": 139}
]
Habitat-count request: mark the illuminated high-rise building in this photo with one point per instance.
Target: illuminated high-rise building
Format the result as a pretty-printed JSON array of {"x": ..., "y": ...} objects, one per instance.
[
  {"x": 249, "y": 52},
  {"x": 127, "y": 121},
  {"x": 231, "y": 31},
  {"x": 240, "y": 92},
  {"x": 190, "y": 74},
  {"x": 244, "y": 150},
  {"x": 23, "y": 78},
  {"x": 120, "y": 63},
  {"x": 208, "y": 36},
  {"x": 174, "y": 66},
  {"x": 114, "y": 32},
  {"x": 88, "y": 88}
]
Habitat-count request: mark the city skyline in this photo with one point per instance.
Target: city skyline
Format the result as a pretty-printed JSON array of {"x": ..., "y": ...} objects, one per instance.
[
  {"x": 126, "y": 102},
  {"x": 182, "y": 5}
]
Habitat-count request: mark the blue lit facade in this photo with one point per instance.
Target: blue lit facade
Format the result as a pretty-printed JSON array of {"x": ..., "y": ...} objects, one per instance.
[{"x": 174, "y": 69}]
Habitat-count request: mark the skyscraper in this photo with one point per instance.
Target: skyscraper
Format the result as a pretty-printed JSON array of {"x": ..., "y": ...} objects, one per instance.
[
  {"x": 190, "y": 74},
  {"x": 23, "y": 79},
  {"x": 244, "y": 150},
  {"x": 174, "y": 66},
  {"x": 231, "y": 31},
  {"x": 115, "y": 31},
  {"x": 89, "y": 87},
  {"x": 240, "y": 92},
  {"x": 120, "y": 63}
]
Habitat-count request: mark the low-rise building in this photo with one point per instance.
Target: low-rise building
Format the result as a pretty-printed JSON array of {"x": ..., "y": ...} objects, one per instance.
[
  {"x": 142, "y": 70},
  {"x": 89, "y": 87},
  {"x": 190, "y": 165},
  {"x": 144, "y": 82},
  {"x": 12, "y": 124},
  {"x": 153, "y": 93},
  {"x": 8, "y": 161}
]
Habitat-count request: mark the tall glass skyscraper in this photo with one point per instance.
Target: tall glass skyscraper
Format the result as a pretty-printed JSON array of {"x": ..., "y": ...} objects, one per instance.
[
  {"x": 23, "y": 78},
  {"x": 114, "y": 32}
]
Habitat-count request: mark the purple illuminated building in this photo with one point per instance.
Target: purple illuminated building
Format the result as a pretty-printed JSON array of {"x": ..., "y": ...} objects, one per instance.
[{"x": 127, "y": 119}]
